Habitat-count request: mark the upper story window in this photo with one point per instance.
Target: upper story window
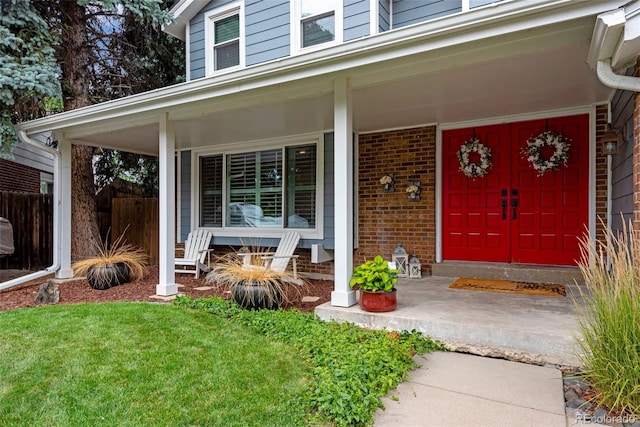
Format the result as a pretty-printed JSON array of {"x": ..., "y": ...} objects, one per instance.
[
  {"x": 316, "y": 22},
  {"x": 224, "y": 34}
]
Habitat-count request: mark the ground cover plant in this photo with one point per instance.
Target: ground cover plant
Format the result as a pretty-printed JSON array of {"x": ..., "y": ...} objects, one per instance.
[
  {"x": 352, "y": 367},
  {"x": 140, "y": 364},
  {"x": 609, "y": 320}
]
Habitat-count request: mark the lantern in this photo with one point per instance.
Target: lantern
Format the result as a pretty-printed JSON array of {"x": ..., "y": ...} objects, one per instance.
[
  {"x": 415, "y": 268},
  {"x": 401, "y": 259}
]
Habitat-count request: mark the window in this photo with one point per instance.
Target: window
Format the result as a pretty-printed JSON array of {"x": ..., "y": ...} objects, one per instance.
[
  {"x": 273, "y": 188},
  {"x": 317, "y": 22},
  {"x": 224, "y": 37}
]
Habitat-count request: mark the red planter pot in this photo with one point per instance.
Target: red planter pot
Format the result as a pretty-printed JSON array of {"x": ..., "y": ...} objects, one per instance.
[{"x": 379, "y": 301}]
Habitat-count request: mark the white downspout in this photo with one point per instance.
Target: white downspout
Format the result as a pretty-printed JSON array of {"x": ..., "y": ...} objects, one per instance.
[
  {"x": 22, "y": 135},
  {"x": 616, "y": 81}
]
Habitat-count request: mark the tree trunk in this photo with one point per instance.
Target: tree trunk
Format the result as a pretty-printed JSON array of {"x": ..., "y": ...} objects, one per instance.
[{"x": 74, "y": 56}]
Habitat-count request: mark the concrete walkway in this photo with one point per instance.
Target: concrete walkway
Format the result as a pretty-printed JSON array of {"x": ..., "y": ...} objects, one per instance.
[
  {"x": 526, "y": 328},
  {"x": 454, "y": 389}
]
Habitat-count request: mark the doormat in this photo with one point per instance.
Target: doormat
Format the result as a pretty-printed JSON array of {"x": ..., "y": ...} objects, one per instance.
[{"x": 492, "y": 285}]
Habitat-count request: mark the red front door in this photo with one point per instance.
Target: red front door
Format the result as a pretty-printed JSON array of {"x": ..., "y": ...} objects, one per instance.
[{"x": 511, "y": 214}]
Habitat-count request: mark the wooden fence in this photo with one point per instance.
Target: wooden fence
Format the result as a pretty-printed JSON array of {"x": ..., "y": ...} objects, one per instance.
[
  {"x": 141, "y": 217},
  {"x": 31, "y": 216}
]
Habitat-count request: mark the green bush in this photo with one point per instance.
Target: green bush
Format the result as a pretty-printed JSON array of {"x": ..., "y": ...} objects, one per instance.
[
  {"x": 352, "y": 367},
  {"x": 609, "y": 319}
]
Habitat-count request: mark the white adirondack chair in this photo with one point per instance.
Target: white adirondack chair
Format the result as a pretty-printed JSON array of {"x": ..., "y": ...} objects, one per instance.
[
  {"x": 278, "y": 260},
  {"x": 196, "y": 250}
]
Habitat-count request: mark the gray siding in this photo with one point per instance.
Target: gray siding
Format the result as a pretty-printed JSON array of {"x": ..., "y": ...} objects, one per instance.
[
  {"x": 478, "y": 3},
  {"x": 407, "y": 12},
  {"x": 267, "y": 30},
  {"x": 185, "y": 194},
  {"x": 356, "y": 19},
  {"x": 31, "y": 156},
  {"x": 384, "y": 16},
  {"x": 196, "y": 39},
  {"x": 329, "y": 204},
  {"x": 622, "y": 163}
]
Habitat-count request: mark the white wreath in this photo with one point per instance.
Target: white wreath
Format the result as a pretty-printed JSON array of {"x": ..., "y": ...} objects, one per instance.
[
  {"x": 474, "y": 170},
  {"x": 560, "y": 156}
]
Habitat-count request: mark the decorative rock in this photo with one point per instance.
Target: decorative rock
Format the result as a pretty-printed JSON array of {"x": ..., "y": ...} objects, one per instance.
[
  {"x": 599, "y": 416},
  {"x": 48, "y": 294},
  {"x": 573, "y": 399}
]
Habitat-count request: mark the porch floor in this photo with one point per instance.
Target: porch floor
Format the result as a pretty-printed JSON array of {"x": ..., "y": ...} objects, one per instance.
[{"x": 527, "y": 328}]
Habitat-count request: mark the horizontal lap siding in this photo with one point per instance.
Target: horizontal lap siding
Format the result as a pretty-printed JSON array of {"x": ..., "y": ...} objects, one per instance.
[
  {"x": 478, "y": 3},
  {"x": 356, "y": 19},
  {"x": 267, "y": 30},
  {"x": 329, "y": 205},
  {"x": 407, "y": 12},
  {"x": 384, "y": 17},
  {"x": 622, "y": 163},
  {"x": 185, "y": 194},
  {"x": 196, "y": 39}
]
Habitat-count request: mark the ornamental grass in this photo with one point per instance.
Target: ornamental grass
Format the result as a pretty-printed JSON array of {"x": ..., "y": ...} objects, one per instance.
[{"x": 609, "y": 319}]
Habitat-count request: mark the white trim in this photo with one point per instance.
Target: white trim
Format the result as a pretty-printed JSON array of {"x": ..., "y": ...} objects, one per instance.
[
  {"x": 342, "y": 295},
  {"x": 519, "y": 117},
  {"x": 466, "y": 6},
  {"x": 393, "y": 129},
  {"x": 316, "y": 233},
  {"x": 438, "y": 193},
  {"x": 210, "y": 18},
  {"x": 592, "y": 171},
  {"x": 166, "y": 170},
  {"x": 296, "y": 34},
  {"x": 511, "y": 119},
  {"x": 374, "y": 17}
]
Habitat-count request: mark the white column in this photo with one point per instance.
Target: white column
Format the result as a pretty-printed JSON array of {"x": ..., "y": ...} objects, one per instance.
[
  {"x": 62, "y": 210},
  {"x": 342, "y": 295},
  {"x": 166, "y": 204}
]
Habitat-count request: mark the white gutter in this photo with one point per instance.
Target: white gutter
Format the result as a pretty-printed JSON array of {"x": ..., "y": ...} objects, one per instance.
[
  {"x": 616, "y": 43},
  {"x": 56, "y": 213},
  {"x": 616, "y": 81}
]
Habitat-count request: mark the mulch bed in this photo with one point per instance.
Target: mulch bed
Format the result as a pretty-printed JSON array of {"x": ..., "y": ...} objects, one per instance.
[{"x": 78, "y": 291}]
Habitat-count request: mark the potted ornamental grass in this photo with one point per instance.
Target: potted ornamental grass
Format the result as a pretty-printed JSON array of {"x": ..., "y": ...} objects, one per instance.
[
  {"x": 251, "y": 284},
  {"x": 113, "y": 265},
  {"x": 376, "y": 282}
]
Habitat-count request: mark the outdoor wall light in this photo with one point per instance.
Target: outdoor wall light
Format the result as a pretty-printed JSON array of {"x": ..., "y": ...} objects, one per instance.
[{"x": 612, "y": 140}]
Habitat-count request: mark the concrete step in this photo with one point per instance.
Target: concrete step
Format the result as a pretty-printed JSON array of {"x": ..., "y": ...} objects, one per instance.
[{"x": 564, "y": 275}]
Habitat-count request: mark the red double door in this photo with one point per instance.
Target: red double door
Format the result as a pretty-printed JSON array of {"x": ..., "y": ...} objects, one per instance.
[{"x": 511, "y": 214}]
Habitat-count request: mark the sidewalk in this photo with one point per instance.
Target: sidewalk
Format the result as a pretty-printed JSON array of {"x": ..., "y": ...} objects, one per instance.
[{"x": 454, "y": 389}]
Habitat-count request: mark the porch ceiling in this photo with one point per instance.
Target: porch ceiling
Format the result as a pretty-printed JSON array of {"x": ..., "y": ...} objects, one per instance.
[{"x": 524, "y": 72}]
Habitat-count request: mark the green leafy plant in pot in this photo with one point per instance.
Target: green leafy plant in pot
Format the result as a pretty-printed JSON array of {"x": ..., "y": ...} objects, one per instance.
[
  {"x": 376, "y": 282},
  {"x": 113, "y": 265},
  {"x": 252, "y": 286}
]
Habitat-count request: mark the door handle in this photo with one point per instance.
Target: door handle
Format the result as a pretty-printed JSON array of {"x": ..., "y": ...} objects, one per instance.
[
  {"x": 504, "y": 208},
  {"x": 514, "y": 205}
]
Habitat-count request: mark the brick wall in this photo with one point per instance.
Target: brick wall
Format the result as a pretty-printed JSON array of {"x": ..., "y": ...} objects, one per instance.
[
  {"x": 18, "y": 178},
  {"x": 601, "y": 171},
  {"x": 386, "y": 219},
  {"x": 636, "y": 156}
]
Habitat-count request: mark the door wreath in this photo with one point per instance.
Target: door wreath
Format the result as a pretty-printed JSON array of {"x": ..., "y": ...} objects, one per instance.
[
  {"x": 478, "y": 168},
  {"x": 535, "y": 145}
]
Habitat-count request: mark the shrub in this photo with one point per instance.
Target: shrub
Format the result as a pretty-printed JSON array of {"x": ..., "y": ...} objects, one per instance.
[{"x": 609, "y": 319}]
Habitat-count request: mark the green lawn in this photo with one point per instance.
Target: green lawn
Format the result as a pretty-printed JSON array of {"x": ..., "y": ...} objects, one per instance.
[
  {"x": 201, "y": 362},
  {"x": 130, "y": 364}
]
